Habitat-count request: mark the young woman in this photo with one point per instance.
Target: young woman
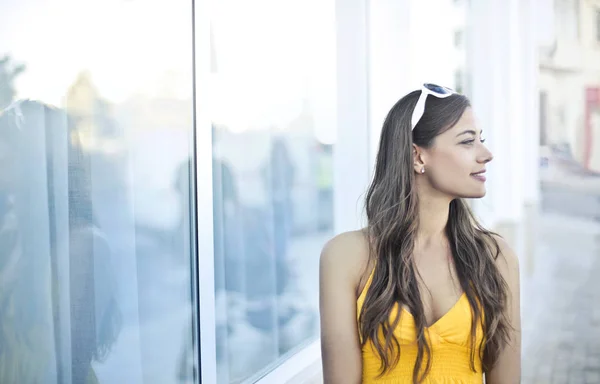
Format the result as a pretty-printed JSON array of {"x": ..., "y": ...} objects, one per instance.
[{"x": 424, "y": 293}]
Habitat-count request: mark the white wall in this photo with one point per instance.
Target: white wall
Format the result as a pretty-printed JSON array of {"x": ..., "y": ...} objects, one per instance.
[
  {"x": 351, "y": 151},
  {"x": 389, "y": 62},
  {"x": 408, "y": 45},
  {"x": 432, "y": 53},
  {"x": 503, "y": 65}
]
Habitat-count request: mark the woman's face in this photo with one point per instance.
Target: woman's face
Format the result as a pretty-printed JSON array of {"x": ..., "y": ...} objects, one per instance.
[{"x": 456, "y": 162}]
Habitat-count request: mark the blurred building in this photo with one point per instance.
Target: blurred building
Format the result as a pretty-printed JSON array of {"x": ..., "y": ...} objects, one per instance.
[{"x": 570, "y": 82}]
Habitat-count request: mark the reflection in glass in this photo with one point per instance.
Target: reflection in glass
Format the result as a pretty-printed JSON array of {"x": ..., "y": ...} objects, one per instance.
[
  {"x": 95, "y": 138},
  {"x": 273, "y": 111}
]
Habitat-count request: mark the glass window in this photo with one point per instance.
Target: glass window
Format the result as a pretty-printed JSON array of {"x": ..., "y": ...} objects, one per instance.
[
  {"x": 274, "y": 123},
  {"x": 96, "y": 109}
]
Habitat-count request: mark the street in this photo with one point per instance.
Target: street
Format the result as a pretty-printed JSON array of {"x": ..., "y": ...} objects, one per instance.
[{"x": 561, "y": 301}]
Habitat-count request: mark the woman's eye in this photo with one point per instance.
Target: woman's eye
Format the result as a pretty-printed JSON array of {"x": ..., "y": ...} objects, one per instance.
[
  {"x": 468, "y": 142},
  {"x": 482, "y": 140}
]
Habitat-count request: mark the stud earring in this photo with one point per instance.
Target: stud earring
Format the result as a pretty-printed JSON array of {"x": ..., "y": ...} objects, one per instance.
[{"x": 423, "y": 170}]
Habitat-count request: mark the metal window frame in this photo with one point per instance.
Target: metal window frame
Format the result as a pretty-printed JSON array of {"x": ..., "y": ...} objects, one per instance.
[{"x": 203, "y": 283}]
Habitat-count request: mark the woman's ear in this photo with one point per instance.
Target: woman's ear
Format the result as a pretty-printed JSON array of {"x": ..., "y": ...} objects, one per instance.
[{"x": 418, "y": 159}]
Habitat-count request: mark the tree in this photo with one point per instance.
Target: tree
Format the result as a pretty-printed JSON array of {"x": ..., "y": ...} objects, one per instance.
[{"x": 8, "y": 73}]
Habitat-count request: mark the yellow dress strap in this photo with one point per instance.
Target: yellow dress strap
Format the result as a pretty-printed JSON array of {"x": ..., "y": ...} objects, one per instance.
[{"x": 363, "y": 292}]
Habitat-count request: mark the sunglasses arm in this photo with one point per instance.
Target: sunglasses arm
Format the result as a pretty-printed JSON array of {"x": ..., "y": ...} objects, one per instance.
[{"x": 419, "y": 109}]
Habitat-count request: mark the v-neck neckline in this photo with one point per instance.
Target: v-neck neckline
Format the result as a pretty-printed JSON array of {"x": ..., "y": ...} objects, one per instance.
[{"x": 444, "y": 316}]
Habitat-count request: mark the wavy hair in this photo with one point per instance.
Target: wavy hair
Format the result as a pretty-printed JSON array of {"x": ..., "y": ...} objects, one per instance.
[{"x": 393, "y": 220}]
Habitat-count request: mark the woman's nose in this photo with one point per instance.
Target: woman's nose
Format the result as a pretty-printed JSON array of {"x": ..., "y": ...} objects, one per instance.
[{"x": 486, "y": 155}]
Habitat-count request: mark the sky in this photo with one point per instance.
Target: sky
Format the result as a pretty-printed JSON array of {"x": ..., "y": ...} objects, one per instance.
[{"x": 117, "y": 41}]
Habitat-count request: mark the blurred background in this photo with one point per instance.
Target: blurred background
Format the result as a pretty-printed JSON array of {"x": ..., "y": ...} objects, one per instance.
[{"x": 171, "y": 170}]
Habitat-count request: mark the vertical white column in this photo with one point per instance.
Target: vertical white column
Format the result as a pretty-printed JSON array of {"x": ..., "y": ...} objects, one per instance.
[
  {"x": 531, "y": 21},
  {"x": 389, "y": 62},
  {"x": 432, "y": 53},
  {"x": 351, "y": 150},
  {"x": 499, "y": 97},
  {"x": 482, "y": 54},
  {"x": 531, "y": 108},
  {"x": 516, "y": 129}
]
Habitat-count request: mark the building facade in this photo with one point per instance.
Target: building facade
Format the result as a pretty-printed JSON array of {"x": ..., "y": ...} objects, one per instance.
[{"x": 569, "y": 82}]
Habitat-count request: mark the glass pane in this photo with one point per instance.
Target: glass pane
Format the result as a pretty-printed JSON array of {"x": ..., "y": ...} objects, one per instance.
[
  {"x": 274, "y": 124},
  {"x": 95, "y": 136}
]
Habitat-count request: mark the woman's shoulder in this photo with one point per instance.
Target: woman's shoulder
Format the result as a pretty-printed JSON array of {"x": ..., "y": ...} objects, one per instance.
[
  {"x": 347, "y": 254},
  {"x": 347, "y": 248}
]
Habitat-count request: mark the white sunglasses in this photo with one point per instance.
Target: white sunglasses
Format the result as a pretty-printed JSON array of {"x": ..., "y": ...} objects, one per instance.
[{"x": 426, "y": 90}]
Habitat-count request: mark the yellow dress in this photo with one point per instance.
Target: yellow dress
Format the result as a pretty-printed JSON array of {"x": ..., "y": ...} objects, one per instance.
[{"x": 450, "y": 343}]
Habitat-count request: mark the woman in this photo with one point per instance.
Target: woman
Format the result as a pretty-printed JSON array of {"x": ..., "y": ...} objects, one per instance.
[
  {"x": 57, "y": 304},
  {"x": 424, "y": 293}
]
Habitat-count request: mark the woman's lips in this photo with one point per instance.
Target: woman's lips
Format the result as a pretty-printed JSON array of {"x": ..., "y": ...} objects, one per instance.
[{"x": 479, "y": 176}]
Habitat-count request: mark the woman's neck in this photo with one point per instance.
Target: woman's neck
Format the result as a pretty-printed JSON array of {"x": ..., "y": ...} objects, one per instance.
[{"x": 433, "y": 217}]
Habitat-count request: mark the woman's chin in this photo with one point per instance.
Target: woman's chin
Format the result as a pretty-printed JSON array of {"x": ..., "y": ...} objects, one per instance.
[{"x": 474, "y": 194}]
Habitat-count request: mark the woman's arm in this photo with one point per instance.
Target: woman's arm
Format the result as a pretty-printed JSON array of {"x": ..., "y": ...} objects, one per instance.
[
  {"x": 508, "y": 368},
  {"x": 340, "y": 268}
]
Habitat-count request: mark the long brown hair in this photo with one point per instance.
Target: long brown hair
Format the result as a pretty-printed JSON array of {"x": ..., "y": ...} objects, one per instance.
[{"x": 393, "y": 220}]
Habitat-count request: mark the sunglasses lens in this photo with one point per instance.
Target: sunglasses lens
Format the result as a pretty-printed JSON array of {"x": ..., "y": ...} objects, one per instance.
[{"x": 437, "y": 89}]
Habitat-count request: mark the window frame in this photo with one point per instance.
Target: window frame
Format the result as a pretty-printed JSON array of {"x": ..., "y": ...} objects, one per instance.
[
  {"x": 351, "y": 175},
  {"x": 202, "y": 237}
]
